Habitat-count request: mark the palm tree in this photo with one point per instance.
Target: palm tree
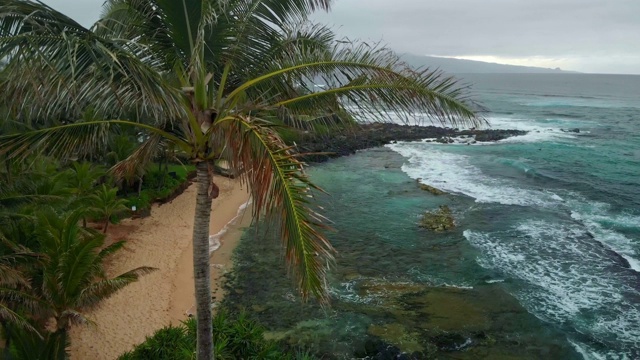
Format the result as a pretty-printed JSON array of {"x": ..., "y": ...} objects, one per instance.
[
  {"x": 82, "y": 179},
  {"x": 27, "y": 345},
  {"x": 106, "y": 204},
  {"x": 66, "y": 279},
  {"x": 49, "y": 266},
  {"x": 72, "y": 278},
  {"x": 213, "y": 78}
]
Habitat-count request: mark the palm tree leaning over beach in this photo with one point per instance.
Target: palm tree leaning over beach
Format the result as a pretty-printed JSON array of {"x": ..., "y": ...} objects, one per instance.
[{"x": 214, "y": 79}]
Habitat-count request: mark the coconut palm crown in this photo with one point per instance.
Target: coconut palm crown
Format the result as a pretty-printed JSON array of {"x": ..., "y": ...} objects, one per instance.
[{"x": 215, "y": 79}]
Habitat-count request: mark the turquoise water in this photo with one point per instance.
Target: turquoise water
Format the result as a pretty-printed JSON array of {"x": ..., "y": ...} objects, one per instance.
[{"x": 545, "y": 259}]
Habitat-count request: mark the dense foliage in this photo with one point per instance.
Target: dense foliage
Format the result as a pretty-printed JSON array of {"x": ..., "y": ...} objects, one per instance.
[
  {"x": 235, "y": 337},
  {"x": 51, "y": 257}
]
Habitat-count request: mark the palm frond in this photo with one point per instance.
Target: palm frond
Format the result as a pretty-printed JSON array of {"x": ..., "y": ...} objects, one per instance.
[
  {"x": 136, "y": 163},
  {"x": 71, "y": 140},
  {"x": 371, "y": 82},
  {"x": 243, "y": 33},
  {"x": 14, "y": 257},
  {"x": 10, "y": 275},
  {"x": 10, "y": 200},
  {"x": 10, "y": 316},
  {"x": 74, "y": 269},
  {"x": 308, "y": 36},
  {"x": 103, "y": 289},
  {"x": 74, "y": 317},
  {"x": 57, "y": 68},
  {"x": 281, "y": 190},
  {"x": 145, "y": 22},
  {"x": 22, "y": 299},
  {"x": 83, "y": 176},
  {"x": 111, "y": 249}
]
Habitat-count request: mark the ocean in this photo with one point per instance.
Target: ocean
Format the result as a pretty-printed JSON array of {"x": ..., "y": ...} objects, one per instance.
[{"x": 544, "y": 262}]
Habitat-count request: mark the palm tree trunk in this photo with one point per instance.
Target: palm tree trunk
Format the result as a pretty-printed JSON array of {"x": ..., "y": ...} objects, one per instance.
[{"x": 201, "y": 269}]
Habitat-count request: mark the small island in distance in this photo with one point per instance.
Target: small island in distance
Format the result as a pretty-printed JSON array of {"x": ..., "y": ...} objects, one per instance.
[{"x": 460, "y": 66}]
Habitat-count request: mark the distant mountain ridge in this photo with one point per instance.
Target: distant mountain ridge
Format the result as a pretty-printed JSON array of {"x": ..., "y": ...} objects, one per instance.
[{"x": 459, "y": 66}]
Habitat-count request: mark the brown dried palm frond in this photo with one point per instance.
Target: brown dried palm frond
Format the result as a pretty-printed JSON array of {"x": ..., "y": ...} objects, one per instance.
[{"x": 281, "y": 191}]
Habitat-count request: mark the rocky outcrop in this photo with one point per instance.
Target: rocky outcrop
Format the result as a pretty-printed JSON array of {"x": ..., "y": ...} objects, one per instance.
[
  {"x": 347, "y": 142},
  {"x": 493, "y": 135},
  {"x": 449, "y": 321},
  {"x": 429, "y": 188},
  {"x": 439, "y": 220}
]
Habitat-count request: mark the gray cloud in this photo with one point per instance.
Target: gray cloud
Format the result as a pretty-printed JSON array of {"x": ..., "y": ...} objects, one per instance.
[
  {"x": 583, "y": 35},
  {"x": 592, "y": 35}
]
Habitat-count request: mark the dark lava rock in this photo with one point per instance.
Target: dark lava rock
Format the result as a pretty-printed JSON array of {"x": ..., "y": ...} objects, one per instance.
[
  {"x": 429, "y": 188},
  {"x": 496, "y": 135},
  {"x": 323, "y": 148},
  {"x": 375, "y": 349}
]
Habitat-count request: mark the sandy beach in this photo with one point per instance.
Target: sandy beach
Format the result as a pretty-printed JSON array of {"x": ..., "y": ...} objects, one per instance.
[{"x": 163, "y": 241}]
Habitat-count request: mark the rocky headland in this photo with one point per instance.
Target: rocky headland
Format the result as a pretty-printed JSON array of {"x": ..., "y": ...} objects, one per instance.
[{"x": 321, "y": 148}]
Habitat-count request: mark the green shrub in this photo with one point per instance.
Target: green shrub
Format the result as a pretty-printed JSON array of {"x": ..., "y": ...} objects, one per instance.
[
  {"x": 170, "y": 343},
  {"x": 233, "y": 337},
  {"x": 161, "y": 184},
  {"x": 154, "y": 179},
  {"x": 158, "y": 185},
  {"x": 181, "y": 170},
  {"x": 141, "y": 202}
]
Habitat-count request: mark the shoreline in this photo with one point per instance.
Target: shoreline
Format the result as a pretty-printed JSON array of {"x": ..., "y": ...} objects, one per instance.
[
  {"x": 317, "y": 149},
  {"x": 166, "y": 296},
  {"x": 163, "y": 240}
]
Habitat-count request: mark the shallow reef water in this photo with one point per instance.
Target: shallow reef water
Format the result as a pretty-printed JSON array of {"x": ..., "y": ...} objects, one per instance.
[{"x": 544, "y": 259}]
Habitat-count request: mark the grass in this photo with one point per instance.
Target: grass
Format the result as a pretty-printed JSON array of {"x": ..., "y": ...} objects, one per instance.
[{"x": 181, "y": 170}]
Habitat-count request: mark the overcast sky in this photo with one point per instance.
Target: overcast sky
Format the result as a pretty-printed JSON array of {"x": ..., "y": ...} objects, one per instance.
[{"x": 600, "y": 36}]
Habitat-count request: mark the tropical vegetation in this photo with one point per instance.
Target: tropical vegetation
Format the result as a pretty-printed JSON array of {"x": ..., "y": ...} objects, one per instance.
[
  {"x": 51, "y": 267},
  {"x": 207, "y": 81},
  {"x": 234, "y": 336}
]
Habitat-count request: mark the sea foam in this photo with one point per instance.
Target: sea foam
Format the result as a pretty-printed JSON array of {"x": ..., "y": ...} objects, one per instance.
[
  {"x": 455, "y": 173},
  {"x": 601, "y": 223},
  {"x": 215, "y": 239},
  {"x": 537, "y": 131},
  {"x": 573, "y": 272},
  {"x": 570, "y": 279}
]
